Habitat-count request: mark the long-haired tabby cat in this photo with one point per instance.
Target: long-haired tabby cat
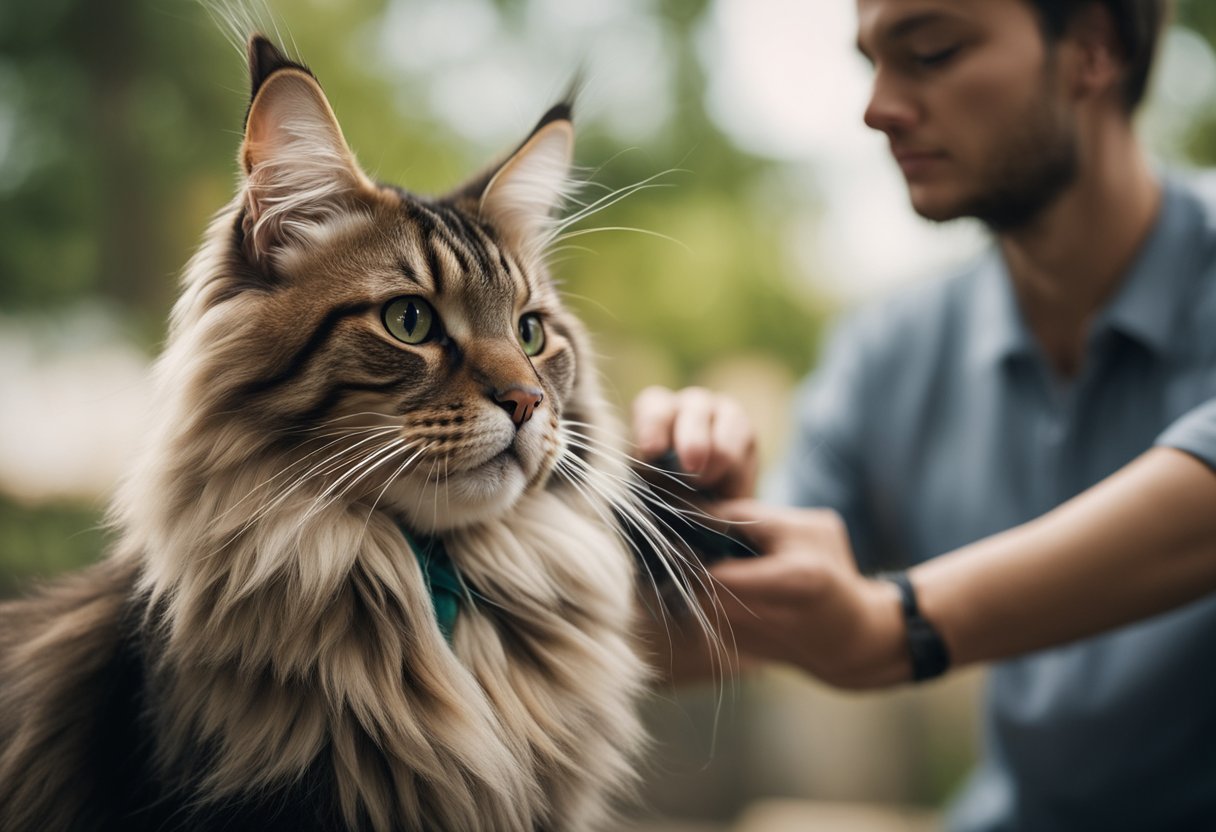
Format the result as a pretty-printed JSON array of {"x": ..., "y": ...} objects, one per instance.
[{"x": 368, "y": 574}]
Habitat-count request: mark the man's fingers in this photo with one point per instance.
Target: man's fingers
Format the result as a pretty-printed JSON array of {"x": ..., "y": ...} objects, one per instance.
[
  {"x": 750, "y": 519},
  {"x": 710, "y": 434},
  {"x": 731, "y": 469},
  {"x": 748, "y": 577},
  {"x": 654, "y": 414},
  {"x": 693, "y": 429}
]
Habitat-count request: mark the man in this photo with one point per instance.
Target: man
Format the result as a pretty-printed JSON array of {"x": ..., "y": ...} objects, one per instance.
[{"x": 1077, "y": 358}]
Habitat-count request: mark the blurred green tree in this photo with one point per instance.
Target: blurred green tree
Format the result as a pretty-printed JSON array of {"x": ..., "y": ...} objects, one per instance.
[{"x": 1200, "y": 17}]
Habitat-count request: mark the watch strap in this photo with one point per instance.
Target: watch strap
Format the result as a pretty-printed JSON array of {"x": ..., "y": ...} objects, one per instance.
[{"x": 928, "y": 651}]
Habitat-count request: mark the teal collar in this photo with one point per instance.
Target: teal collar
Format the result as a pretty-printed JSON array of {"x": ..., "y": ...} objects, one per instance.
[{"x": 442, "y": 579}]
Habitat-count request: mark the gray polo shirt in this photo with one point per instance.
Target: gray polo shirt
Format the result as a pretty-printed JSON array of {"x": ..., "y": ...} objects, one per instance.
[{"x": 933, "y": 421}]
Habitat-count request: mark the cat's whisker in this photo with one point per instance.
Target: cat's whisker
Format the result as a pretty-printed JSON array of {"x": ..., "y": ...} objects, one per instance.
[
  {"x": 644, "y": 524},
  {"x": 594, "y": 447},
  {"x": 613, "y": 198},
  {"x": 572, "y": 476},
  {"x": 658, "y": 496},
  {"x": 432, "y": 472},
  {"x": 447, "y": 490},
  {"x": 609, "y": 200},
  {"x": 353, "y": 476},
  {"x": 440, "y": 484},
  {"x": 679, "y": 479},
  {"x": 670, "y": 557},
  {"x": 691, "y": 513},
  {"x": 335, "y": 461},
  {"x": 713, "y": 632},
  {"x": 370, "y": 465},
  {"x": 588, "y": 180},
  {"x": 388, "y": 482},
  {"x": 303, "y": 461},
  {"x": 584, "y": 231},
  {"x": 592, "y": 301},
  {"x": 344, "y": 418},
  {"x": 322, "y": 468}
]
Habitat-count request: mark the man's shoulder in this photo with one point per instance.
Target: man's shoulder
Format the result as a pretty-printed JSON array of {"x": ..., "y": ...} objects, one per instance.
[
  {"x": 1197, "y": 190},
  {"x": 1199, "y": 186}
]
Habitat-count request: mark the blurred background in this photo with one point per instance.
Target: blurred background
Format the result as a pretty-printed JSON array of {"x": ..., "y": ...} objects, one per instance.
[{"x": 769, "y": 208}]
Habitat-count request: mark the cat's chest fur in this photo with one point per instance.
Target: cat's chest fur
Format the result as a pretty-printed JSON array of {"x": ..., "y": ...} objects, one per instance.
[{"x": 517, "y": 724}]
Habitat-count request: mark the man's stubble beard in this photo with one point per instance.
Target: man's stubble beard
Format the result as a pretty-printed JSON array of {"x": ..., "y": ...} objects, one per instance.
[{"x": 1027, "y": 171}]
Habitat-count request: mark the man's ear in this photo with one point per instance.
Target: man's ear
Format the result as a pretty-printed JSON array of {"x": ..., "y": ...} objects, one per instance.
[
  {"x": 1100, "y": 67},
  {"x": 298, "y": 169},
  {"x": 520, "y": 196}
]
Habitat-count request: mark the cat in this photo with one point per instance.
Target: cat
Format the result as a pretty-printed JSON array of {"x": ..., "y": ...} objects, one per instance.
[{"x": 369, "y": 571}]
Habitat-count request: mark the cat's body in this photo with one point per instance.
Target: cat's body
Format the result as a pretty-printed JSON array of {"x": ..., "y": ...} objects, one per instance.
[{"x": 261, "y": 651}]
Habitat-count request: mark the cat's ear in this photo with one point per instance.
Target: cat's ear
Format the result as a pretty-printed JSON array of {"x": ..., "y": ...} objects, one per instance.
[
  {"x": 519, "y": 198},
  {"x": 299, "y": 171}
]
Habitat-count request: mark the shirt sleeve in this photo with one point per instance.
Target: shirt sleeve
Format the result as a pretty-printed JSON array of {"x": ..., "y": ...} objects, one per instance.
[
  {"x": 822, "y": 467},
  {"x": 1194, "y": 433}
]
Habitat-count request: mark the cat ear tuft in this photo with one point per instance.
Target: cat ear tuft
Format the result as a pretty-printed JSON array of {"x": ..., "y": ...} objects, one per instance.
[
  {"x": 299, "y": 170},
  {"x": 265, "y": 59},
  {"x": 521, "y": 195}
]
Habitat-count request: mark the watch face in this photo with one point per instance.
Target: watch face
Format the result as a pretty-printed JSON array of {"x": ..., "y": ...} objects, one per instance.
[{"x": 930, "y": 658}]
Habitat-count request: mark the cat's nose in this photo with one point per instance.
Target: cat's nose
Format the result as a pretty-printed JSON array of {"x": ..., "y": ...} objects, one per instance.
[{"x": 519, "y": 401}]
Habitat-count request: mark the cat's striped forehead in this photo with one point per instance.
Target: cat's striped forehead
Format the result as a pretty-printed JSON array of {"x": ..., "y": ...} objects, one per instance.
[
  {"x": 410, "y": 245},
  {"x": 454, "y": 251}
]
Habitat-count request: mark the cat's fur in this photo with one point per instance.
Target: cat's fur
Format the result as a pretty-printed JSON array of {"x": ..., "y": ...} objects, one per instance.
[{"x": 260, "y": 650}]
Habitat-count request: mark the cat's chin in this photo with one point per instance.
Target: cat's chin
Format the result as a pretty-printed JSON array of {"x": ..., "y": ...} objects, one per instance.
[{"x": 463, "y": 498}]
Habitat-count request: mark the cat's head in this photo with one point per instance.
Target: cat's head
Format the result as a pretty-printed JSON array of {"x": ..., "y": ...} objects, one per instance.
[{"x": 399, "y": 349}]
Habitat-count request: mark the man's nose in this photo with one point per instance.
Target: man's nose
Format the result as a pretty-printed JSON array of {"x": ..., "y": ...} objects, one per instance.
[
  {"x": 519, "y": 401},
  {"x": 890, "y": 109}
]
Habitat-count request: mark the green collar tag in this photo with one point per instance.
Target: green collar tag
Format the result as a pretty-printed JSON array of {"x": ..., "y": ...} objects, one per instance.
[{"x": 442, "y": 579}]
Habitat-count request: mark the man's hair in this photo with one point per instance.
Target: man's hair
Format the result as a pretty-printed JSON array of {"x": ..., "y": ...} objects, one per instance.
[{"x": 1138, "y": 25}]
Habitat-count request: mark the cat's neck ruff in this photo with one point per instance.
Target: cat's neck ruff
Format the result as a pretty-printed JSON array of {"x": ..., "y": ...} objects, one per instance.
[{"x": 335, "y": 615}]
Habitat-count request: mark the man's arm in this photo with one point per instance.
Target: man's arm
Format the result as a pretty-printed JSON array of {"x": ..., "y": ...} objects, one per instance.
[
  {"x": 1138, "y": 543},
  {"x": 1141, "y": 542}
]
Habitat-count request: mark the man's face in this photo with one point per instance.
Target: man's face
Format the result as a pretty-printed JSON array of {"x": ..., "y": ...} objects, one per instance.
[{"x": 968, "y": 94}]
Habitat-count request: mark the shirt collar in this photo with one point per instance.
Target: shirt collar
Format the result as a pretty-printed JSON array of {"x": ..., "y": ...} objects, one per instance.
[
  {"x": 1147, "y": 306},
  {"x": 1144, "y": 308},
  {"x": 998, "y": 331}
]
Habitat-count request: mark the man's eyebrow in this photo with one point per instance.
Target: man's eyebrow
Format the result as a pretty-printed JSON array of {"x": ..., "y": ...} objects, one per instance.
[{"x": 904, "y": 27}]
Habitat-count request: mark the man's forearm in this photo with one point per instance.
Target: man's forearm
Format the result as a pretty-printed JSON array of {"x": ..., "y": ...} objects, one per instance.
[{"x": 1140, "y": 542}]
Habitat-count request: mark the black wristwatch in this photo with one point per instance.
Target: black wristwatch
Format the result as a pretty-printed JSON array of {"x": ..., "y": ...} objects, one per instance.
[{"x": 930, "y": 656}]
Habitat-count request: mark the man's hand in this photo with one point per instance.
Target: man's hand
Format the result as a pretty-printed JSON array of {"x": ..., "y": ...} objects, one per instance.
[
  {"x": 711, "y": 435},
  {"x": 803, "y": 601}
]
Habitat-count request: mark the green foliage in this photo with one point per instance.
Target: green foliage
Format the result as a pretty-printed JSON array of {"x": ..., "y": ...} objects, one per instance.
[
  {"x": 38, "y": 542},
  {"x": 1200, "y": 16}
]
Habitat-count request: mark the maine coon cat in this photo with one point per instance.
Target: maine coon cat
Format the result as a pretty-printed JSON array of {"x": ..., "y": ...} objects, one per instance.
[{"x": 368, "y": 572}]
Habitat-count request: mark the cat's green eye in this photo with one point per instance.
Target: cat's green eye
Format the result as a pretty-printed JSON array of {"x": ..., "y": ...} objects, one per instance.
[
  {"x": 409, "y": 319},
  {"x": 531, "y": 334}
]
